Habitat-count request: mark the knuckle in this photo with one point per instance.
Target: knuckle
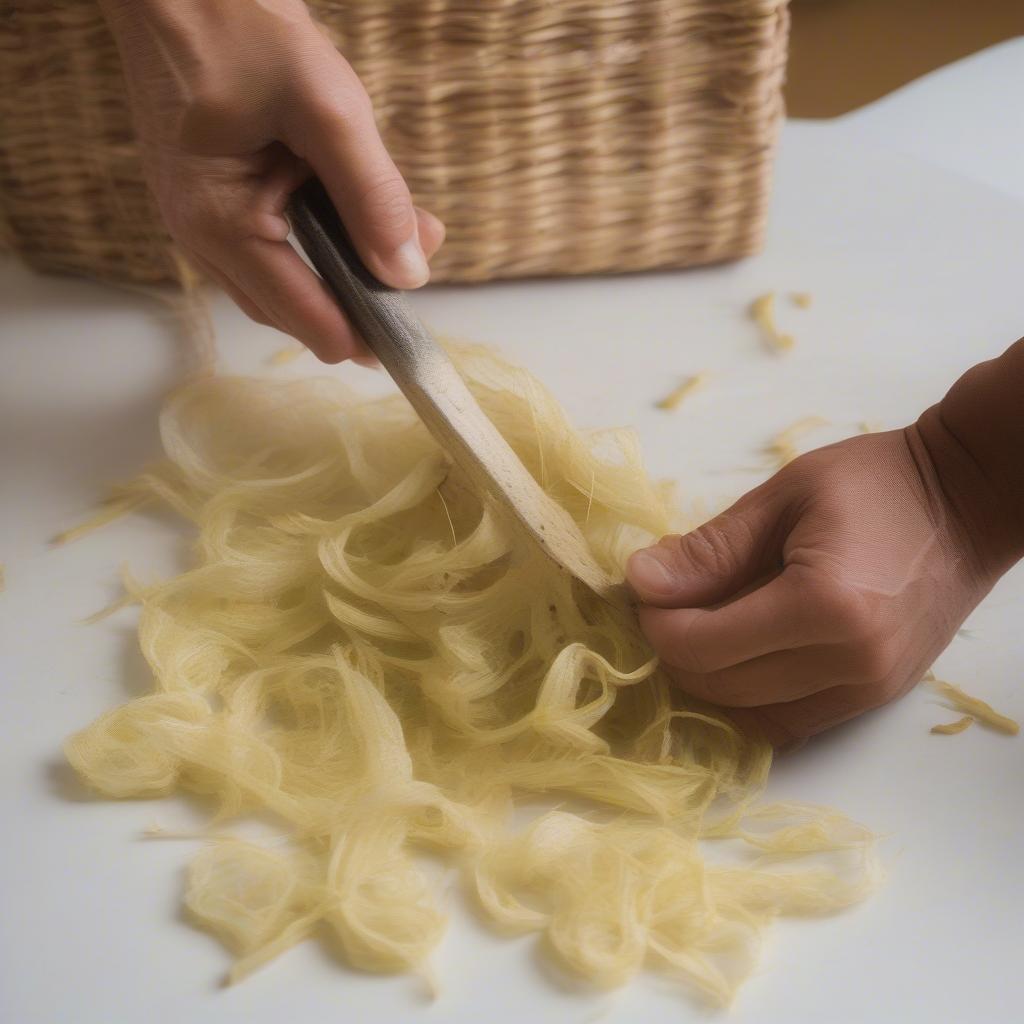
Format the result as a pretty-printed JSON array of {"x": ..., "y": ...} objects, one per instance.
[
  {"x": 317, "y": 108},
  {"x": 877, "y": 694},
  {"x": 873, "y": 661},
  {"x": 336, "y": 95},
  {"x": 849, "y": 612},
  {"x": 323, "y": 125},
  {"x": 711, "y": 549}
]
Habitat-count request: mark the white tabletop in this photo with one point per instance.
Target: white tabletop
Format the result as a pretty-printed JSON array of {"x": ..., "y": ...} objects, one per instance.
[
  {"x": 967, "y": 117},
  {"x": 916, "y": 274}
]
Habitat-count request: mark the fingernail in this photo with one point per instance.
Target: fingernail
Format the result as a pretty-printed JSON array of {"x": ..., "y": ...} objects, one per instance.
[
  {"x": 412, "y": 264},
  {"x": 647, "y": 570}
]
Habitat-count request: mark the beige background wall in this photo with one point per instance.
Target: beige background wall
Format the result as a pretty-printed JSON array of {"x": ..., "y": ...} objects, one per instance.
[{"x": 845, "y": 53}]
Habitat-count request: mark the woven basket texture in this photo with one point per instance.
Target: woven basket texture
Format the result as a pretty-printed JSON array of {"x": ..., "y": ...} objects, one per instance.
[{"x": 551, "y": 136}]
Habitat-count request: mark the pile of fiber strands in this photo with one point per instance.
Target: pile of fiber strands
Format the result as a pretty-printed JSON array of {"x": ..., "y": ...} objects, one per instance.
[{"x": 366, "y": 653}]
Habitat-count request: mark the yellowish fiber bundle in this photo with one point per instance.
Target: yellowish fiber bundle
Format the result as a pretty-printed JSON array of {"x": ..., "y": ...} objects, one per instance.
[
  {"x": 368, "y": 654},
  {"x": 952, "y": 728},
  {"x": 762, "y": 311},
  {"x": 675, "y": 397},
  {"x": 977, "y": 709}
]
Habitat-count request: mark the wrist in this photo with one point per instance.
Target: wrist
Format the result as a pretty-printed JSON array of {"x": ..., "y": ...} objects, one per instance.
[{"x": 974, "y": 439}]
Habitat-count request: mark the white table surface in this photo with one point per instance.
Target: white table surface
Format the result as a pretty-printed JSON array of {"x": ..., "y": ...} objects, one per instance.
[{"x": 916, "y": 274}]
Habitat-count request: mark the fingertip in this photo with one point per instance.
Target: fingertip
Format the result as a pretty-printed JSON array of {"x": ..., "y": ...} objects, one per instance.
[
  {"x": 405, "y": 269},
  {"x": 432, "y": 232},
  {"x": 408, "y": 267},
  {"x": 335, "y": 346},
  {"x": 329, "y": 355}
]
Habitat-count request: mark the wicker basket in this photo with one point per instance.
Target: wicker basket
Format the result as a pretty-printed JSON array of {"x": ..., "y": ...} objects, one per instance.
[{"x": 551, "y": 136}]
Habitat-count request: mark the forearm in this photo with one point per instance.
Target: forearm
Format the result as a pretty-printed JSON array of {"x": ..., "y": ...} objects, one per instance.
[
  {"x": 975, "y": 437},
  {"x": 126, "y": 16},
  {"x": 181, "y": 11},
  {"x": 161, "y": 43},
  {"x": 235, "y": 103}
]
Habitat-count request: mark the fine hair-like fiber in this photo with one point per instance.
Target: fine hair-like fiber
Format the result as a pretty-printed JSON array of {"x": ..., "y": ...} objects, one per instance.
[{"x": 364, "y": 652}]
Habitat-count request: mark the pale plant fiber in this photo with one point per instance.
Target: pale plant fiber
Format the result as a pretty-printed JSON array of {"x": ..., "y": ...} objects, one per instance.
[
  {"x": 366, "y": 654},
  {"x": 953, "y": 728},
  {"x": 976, "y": 708},
  {"x": 681, "y": 391},
  {"x": 762, "y": 311}
]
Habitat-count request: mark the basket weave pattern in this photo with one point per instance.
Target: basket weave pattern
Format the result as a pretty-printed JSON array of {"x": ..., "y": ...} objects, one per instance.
[{"x": 551, "y": 136}]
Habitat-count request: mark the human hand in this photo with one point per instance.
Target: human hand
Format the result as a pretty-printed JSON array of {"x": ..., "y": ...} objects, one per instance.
[
  {"x": 825, "y": 592},
  {"x": 235, "y": 103}
]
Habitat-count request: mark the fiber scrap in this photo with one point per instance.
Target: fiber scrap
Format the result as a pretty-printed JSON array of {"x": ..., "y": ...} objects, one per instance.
[
  {"x": 952, "y": 728},
  {"x": 675, "y": 397},
  {"x": 762, "y": 310},
  {"x": 976, "y": 707}
]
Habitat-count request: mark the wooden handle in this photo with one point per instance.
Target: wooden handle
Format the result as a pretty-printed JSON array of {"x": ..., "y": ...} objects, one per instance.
[{"x": 380, "y": 314}]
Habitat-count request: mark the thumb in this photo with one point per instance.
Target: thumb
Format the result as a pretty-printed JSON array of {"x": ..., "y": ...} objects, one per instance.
[
  {"x": 340, "y": 141},
  {"x": 715, "y": 561}
]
